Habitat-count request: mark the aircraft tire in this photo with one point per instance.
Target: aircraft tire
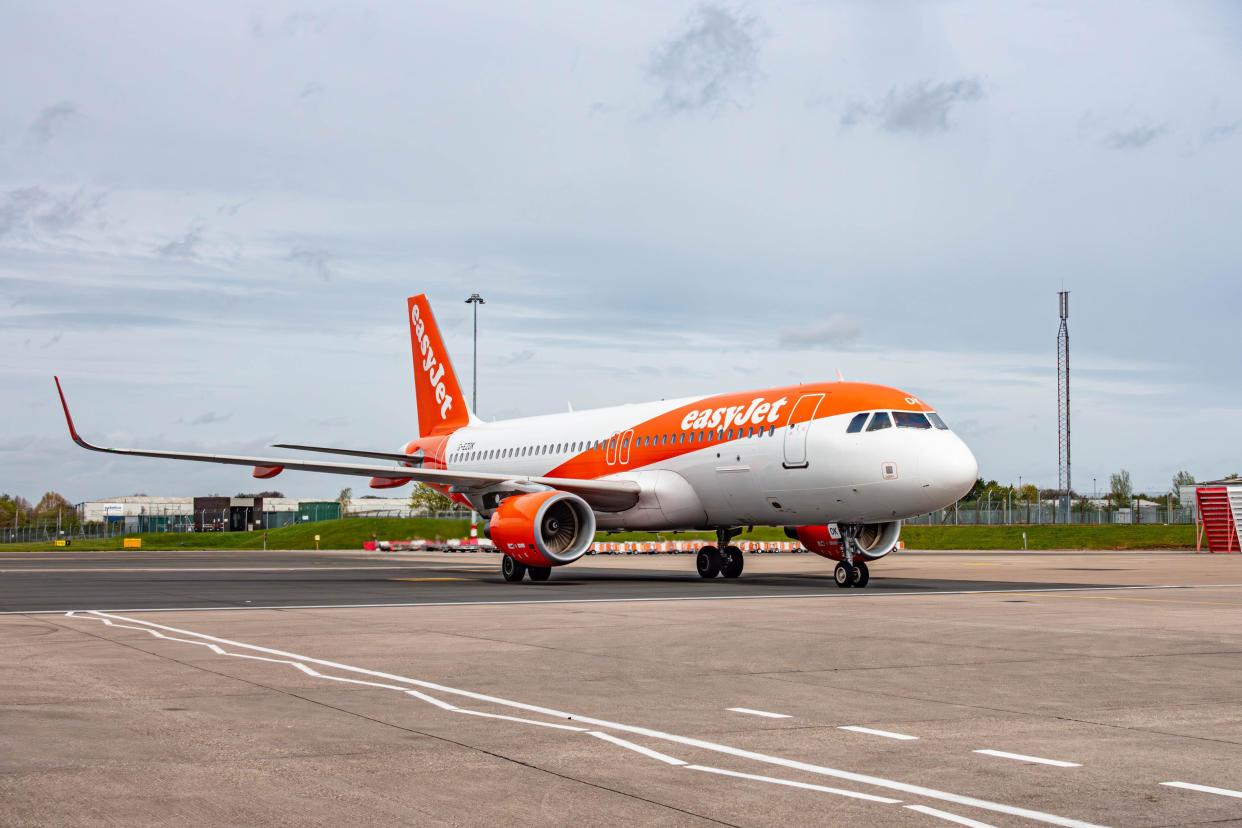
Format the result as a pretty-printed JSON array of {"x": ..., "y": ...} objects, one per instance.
[
  {"x": 539, "y": 573},
  {"x": 511, "y": 569},
  {"x": 844, "y": 575},
  {"x": 708, "y": 562},
  {"x": 732, "y": 562},
  {"x": 863, "y": 575}
]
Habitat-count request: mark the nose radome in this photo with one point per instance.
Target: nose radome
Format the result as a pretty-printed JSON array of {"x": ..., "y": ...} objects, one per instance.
[{"x": 961, "y": 469}]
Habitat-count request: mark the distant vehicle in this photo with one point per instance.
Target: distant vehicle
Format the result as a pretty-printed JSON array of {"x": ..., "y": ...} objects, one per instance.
[{"x": 838, "y": 464}]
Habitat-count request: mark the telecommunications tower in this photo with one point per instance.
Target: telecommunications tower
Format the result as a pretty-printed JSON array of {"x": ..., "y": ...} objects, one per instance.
[{"x": 1064, "y": 483}]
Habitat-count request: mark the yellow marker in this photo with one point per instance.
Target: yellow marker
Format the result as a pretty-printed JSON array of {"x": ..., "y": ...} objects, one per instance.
[
  {"x": 132, "y": 543},
  {"x": 58, "y": 543}
]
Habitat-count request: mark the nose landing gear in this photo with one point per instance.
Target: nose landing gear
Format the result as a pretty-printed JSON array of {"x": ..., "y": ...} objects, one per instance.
[{"x": 849, "y": 573}]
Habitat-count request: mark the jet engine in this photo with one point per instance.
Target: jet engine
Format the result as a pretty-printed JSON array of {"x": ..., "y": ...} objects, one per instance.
[
  {"x": 875, "y": 540},
  {"x": 549, "y": 528}
]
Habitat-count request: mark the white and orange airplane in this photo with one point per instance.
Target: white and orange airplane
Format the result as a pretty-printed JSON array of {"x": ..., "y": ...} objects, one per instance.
[{"x": 839, "y": 464}]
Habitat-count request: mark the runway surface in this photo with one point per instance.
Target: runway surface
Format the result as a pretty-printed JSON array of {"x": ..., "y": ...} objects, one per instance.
[
  {"x": 960, "y": 689},
  {"x": 56, "y": 582}
]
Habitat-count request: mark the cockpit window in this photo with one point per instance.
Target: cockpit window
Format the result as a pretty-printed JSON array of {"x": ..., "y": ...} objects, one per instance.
[
  {"x": 856, "y": 424},
  {"x": 936, "y": 421},
  {"x": 911, "y": 419},
  {"x": 880, "y": 421}
]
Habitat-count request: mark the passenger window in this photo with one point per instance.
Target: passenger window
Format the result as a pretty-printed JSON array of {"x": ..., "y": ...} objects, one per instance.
[
  {"x": 911, "y": 419},
  {"x": 625, "y": 443},
  {"x": 936, "y": 421},
  {"x": 730, "y": 434},
  {"x": 856, "y": 424},
  {"x": 880, "y": 421}
]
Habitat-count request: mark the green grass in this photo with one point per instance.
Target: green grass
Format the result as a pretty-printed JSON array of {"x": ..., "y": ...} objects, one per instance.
[{"x": 350, "y": 533}]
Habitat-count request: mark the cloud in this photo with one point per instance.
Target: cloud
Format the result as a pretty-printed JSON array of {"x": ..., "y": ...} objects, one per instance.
[
  {"x": 206, "y": 418},
  {"x": 185, "y": 247},
  {"x": 1136, "y": 138},
  {"x": 34, "y": 208},
  {"x": 837, "y": 329},
  {"x": 317, "y": 259},
  {"x": 712, "y": 60},
  {"x": 231, "y": 209},
  {"x": 517, "y": 358},
  {"x": 923, "y": 107},
  {"x": 50, "y": 120}
]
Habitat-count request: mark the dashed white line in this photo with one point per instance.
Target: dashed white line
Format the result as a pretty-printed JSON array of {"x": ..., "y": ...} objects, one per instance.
[
  {"x": 645, "y": 751},
  {"x": 703, "y": 744},
  {"x": 1190, "y": 786},
  {"x": 945, "y": 815},
  {"x": 1024, "y": 758},
  {"x": 794, "y": 784},
  {"x": 887, "y": 734},
  {"x": 763, "y": 713}
]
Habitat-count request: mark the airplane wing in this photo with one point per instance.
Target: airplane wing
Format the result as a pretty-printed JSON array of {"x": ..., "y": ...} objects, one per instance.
[
  {"x": 605, "y": 495},
  {"x": 415, "y": 459}
]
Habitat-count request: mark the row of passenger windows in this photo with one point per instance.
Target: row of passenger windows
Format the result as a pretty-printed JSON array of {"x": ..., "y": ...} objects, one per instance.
[
  {"x": 881, "y": 420},
  {"x": 641, "y": 441}
]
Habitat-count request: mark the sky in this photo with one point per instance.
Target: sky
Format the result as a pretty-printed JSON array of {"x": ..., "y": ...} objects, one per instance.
[{"x": 211, "y": 215}]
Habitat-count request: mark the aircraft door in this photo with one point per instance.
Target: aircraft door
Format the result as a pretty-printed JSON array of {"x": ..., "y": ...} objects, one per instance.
[{"x": 798, "y": 426}]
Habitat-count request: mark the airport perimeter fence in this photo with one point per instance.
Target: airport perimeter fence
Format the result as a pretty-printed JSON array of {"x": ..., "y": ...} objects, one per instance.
[
  {"x": 48, "y": 529},
  {"x": 1009, "y": 512}
]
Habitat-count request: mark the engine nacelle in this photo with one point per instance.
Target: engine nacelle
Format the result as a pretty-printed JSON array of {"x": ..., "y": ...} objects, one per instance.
[
  {"x": 875, "y": 540},
  {"x": 549, "y": 528}
]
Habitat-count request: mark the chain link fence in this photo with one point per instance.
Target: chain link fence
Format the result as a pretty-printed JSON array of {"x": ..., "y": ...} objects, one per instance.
[{"x": 1015, "y": 512}]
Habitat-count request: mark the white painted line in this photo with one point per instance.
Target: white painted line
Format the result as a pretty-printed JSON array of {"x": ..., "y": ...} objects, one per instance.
[
  {"x": 807, "y": 767},
  {"x": 793, "y": 784},
  {"x": 518, "y": 719},
  {"x": 887, "y": 734},
  {"x": 763, "y": 713},
  {"x": 945, "y": 815},
  {"x": 1204, "y": 789},
  {"x": 132, "y": 569},
  {"x": 851, "y": 595},
  {"x": 1023, "y": 758},
  {"x": 648, "y": 752}
]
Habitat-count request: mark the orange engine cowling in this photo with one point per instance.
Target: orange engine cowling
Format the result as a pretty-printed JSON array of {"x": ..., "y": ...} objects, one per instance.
[
  {"x": 549, "y": 528},
  {"x": 875, "y": 540}
]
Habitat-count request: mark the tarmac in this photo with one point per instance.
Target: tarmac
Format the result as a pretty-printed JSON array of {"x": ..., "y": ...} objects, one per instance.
[{"x": 276, "y": 688}]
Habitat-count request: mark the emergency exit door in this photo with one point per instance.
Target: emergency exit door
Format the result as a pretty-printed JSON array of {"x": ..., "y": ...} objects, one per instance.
[{"x": 798, "y": 427}]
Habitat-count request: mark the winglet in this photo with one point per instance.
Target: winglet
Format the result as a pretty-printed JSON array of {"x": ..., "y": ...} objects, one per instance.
[{"x": 73, "y": 432}]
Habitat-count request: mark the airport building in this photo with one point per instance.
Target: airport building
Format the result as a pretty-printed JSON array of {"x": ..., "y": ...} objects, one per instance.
[{"x": 215, "y": 513}]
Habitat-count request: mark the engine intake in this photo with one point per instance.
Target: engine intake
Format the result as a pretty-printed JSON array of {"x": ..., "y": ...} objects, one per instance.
[
  {"x": 549, "y": 528},
  {"x": 875, "y": 540}
]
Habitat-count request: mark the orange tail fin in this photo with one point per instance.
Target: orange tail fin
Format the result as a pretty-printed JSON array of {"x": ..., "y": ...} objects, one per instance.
[{"x": 441, "y": 405}]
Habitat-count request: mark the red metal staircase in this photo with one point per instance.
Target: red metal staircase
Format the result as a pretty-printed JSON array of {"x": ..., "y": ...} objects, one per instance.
[{"x": 1218, "y": 523}]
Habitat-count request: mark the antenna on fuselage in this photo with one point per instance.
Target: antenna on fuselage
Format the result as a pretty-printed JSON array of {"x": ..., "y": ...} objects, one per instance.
[{"x": 840, "y": 376}]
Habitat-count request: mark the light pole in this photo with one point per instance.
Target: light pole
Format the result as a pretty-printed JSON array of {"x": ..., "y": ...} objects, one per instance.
[{"x": 475, "y": 300}]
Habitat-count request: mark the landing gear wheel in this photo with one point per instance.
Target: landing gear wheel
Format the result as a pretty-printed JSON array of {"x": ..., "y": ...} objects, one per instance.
[
  {"x": 844, "y": 575},
  {"x": 708, "y": 562},
  {"x": 863, "y": 575},
  {"x": 511, "y": 569},
  {"x": 539, "y": 573},
  {"x": 732, "y": 562}
]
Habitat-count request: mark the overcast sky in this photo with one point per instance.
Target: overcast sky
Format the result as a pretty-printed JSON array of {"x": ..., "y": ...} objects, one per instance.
[{"x": 211, "y": 214}]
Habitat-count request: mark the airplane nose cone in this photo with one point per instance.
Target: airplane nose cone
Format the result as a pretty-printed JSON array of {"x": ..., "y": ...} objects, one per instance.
[{"x": 960, "y": 470}]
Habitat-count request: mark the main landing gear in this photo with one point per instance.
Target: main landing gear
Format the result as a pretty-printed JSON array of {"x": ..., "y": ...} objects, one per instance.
[
  {"x": 722, "y": 559},
  {"x": 513, "y": 571},
  {"x": 848, "y": 572}
]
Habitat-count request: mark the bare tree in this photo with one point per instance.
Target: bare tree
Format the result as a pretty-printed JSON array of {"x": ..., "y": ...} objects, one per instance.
[
  {"x": 1120, "y": 489},
  {"x": 345, "y": 498}
]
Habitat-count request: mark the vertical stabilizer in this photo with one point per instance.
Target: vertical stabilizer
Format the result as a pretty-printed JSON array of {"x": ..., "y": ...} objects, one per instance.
[{"x": 442, "y": 407}]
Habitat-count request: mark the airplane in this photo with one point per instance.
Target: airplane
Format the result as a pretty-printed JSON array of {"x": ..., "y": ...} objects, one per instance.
[{"x": 838, "y": 464}]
